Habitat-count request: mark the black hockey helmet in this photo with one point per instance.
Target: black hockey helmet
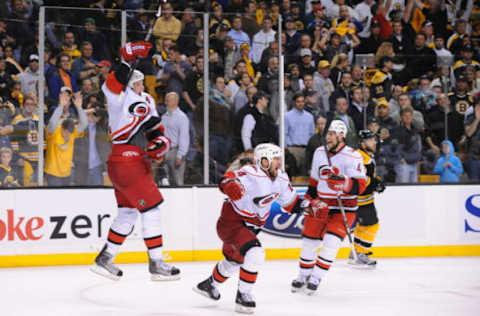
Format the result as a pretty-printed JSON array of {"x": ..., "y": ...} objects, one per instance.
[{"x": 365, "y": 134}]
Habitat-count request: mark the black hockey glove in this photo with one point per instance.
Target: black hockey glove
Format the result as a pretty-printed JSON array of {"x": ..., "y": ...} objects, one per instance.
[{"x": 379, "y": 185}]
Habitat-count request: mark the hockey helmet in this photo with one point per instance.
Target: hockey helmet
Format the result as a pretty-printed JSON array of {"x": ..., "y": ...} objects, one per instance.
[
  {"x": 137, "y": 75},
  {"x": 338, "y": 126},
  {"x": 366, "y": 134},
  {"x": 266, "y": 151}
]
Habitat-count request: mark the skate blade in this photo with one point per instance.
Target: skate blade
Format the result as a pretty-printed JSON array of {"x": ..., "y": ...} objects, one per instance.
[
  {"x": 310, "y": 292},
  {"x": 103, "y": 272},
  {"x": 197, "y": 290},
  {"x": 244, "y": 310},
  {"x": 297, "y": 289},
  {"x": 160, "y": 277}
]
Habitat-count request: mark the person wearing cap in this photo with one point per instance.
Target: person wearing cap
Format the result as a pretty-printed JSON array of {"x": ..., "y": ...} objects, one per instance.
[
  {"x": 103, "y": 68},
  {"x": 307, "y": 65},
  {"x": 323, "y": 84},
  {"x": 382, "y": 114},
  {"x": 293, "y": 37},
  {"x": 60, "y": 136},
  {"x": 317, "y": 17},
  {"x": 29, "y": 78},
  {"x": 166, "y": 26},
  {"x": 262, "y": 39},
  {"x": 96, "y": 38},
  {"x": 258, "y": 127},
  {"x": 382, "y": 82},
  {"x": 217, "y": 20},
  {"x": 460, "y": 98},
  {"x": 465, "y": 61}
]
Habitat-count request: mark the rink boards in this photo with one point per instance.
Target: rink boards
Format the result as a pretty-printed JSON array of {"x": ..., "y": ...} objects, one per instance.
[{"x": 67, "y": 226}]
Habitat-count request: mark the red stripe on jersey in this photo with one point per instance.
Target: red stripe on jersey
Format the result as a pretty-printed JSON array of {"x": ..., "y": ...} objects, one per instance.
[
  {"x": 218, "y": 276},
  {"x": 345, "y": 202},
  {"x": 115, "y": 237},
  {"x": 113, "y": 84},
  {"x": 135, "y": 119},
  {"x": 154, "y": 242},
  {"x": 247, "y": 276},
  {"x": 289, "y": 207}
]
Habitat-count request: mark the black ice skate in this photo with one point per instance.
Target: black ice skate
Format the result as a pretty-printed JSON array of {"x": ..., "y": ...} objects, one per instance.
[
  {"x": 363, "y": 261},
  {"x": 208, "y": 289},
  {"x": 104, "y": 266},
  {"x": 245, "y": 303},
  {"x": 162, "y": 271},
  {"x": 299, "y": 283},
  {"x": 312, "y": 285}
]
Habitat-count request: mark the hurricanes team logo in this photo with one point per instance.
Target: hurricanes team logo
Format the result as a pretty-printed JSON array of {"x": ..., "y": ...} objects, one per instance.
[
  {"x": 139, "y": 109},
  {"x": 472, "y": 206},
  {"x": 263, "y": 201}
]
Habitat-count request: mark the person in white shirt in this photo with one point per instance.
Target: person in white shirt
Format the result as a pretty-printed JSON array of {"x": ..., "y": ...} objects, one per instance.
[
  {"x": 440, "y": 49},
  {"x": 262, "y": 39},
  {"x": 177, "y": 130},
  {"x": 365, "y": 16}
]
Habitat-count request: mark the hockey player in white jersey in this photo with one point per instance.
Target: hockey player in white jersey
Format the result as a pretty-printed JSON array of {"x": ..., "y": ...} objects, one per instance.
[
  {"x": 346, "y": 177},
  {"x": 250, "y": 190},
  {"x": 136, "y": 135}
]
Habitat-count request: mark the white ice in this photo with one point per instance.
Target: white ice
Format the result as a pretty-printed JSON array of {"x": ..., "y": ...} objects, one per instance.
[{"x": 416, "y": 286}]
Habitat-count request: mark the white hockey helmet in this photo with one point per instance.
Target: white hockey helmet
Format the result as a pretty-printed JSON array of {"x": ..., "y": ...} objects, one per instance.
[
  {"x": 137, "y": 75},
  {"x": 338, "y": 126},
  {"x": 267, "y": 151}
]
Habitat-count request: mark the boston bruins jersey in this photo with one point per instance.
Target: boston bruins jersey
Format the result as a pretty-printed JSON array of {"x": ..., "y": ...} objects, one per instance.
[
  {"x": 381, "y": 85},
  {"x": 460, "y": 103},
  {"x": 8, "y": 178},
  {"x": 460, "y": 66},
  {"x": 367, "y": 196},
  {"x": 25, "y": 136}
]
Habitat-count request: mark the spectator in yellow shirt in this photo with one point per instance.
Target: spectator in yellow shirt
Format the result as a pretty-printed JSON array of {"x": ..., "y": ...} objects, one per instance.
[
  {"x": 61, "y": 137},
  {"x": 166, "y": 26}
]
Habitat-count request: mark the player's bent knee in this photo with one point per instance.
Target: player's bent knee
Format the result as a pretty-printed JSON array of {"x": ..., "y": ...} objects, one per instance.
[{"x": 255, "y": 257}]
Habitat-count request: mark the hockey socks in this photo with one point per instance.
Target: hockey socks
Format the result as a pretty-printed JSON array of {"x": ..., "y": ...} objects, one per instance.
[
  {"x": 308, "y": 254},
  {"x": 122, "y": 226},
  {"x": 328, "y": 253},
  {"x": 364, "y": 237}
]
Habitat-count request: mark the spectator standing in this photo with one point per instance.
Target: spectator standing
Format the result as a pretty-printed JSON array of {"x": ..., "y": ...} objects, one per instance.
[
  {"x": 175, "y": 71},
  {"x": 61, "y": 137},
  {"x": 262, "y": 39},
  {"x": 409, "y": 148},
  {"x": 249, "y": 19},
  {"x": 472, "y": 130},
  {"x": 299, "y": 127},
  {"x": 237, "y": 34},
  {"x": 448, "y": 166},
  {"x": 177, "y": 130},
  {"x": 189, "y": 31},
  {"x": 315, "y": 141},
  {"x": 96, "y": 38},
  {"x": 85, "y": 66},
  {"x": 69, "y": 47},
  {"x": 323, "y": 84},
  {"x": 60, "y": 76},
  {"x": 166, "y": 26},
  {"x": 29, "y": 78},
  {"x": 340, "y": 113}
]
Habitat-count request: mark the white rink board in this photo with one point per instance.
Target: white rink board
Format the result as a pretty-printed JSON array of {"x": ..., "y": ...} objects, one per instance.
[{"x": 54, "y": 221}]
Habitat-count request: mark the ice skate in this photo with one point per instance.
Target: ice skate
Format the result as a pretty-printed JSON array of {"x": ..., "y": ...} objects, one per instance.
[
  {"x": 299, "y": 283},
  {"x": 245, "y": 303},
  {"x": 363, "y": 261},
  {"x": 312, "y": 285},
  {"x": 207, "y": 289},
  {"x": 104, "y": 266},
  {"x": 162, "y": 271}
]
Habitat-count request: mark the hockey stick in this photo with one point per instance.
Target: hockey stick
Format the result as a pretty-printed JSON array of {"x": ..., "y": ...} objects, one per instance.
[
  {"x": 342, "y": 210},
  {"x": 147, "y": 38}
]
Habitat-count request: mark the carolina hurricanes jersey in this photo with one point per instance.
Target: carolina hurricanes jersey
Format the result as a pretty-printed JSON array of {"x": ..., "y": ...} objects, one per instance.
[
  {"x": 349, "y": 163},
  {"x": 127, "y": 114},
  {"x": 260, "y": 192}
]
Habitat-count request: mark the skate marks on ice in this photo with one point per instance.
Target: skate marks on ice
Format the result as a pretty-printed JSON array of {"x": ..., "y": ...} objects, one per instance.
[{"x": 436, "y": 286}]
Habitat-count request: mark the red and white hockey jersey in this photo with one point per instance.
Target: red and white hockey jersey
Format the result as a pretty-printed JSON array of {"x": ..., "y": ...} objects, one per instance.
[
  {"x": 349, "y": 163},
  {"x": 260, "y": 192},
  {"x": 128, "y": 113}
]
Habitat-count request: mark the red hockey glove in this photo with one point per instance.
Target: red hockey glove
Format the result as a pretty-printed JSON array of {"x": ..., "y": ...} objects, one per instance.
[
  {"x": 317, "y": 208},
  {"x": 232, "y": 187},
  {"x": 132, "y": 50},
  {"x": 339, "y": 183},
  {"x": 158, "y": 148}
]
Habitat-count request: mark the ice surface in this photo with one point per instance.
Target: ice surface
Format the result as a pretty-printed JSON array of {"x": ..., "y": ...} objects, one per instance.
[{"x": 416, "y": 286}]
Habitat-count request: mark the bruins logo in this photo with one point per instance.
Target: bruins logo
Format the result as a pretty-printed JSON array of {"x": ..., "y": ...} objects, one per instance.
[
  {"x": 462, "y": 106},
  {"x": 199, "y": 85},
  {"x": 32, "y": 137}
]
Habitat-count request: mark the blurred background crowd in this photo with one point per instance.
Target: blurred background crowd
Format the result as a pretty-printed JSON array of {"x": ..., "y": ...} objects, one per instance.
[{"x": 407, "y": 70}]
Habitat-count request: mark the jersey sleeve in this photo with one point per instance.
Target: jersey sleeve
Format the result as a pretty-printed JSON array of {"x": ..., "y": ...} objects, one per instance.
[{"x": 314, "y": 176}]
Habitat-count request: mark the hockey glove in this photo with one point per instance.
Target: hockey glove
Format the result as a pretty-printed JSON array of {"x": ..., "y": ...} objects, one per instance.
[
  {"x": 232, "y": 187},
  {"x": 339, "y": 183},
  {"x": 132, "y": 50},
  {"x": 379, "y": 184},
  {"x": 158, "y": 148},
  {"x": 316, "y": 208}
]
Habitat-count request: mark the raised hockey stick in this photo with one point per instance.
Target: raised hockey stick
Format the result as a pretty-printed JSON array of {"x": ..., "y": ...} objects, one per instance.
[
  {"x": 342, "y": 210},
  {"x": 147, "y": 38}
]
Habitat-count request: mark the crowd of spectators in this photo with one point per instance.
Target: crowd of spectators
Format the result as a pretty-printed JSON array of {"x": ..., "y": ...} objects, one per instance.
[{"x": 419, "y": 92}]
